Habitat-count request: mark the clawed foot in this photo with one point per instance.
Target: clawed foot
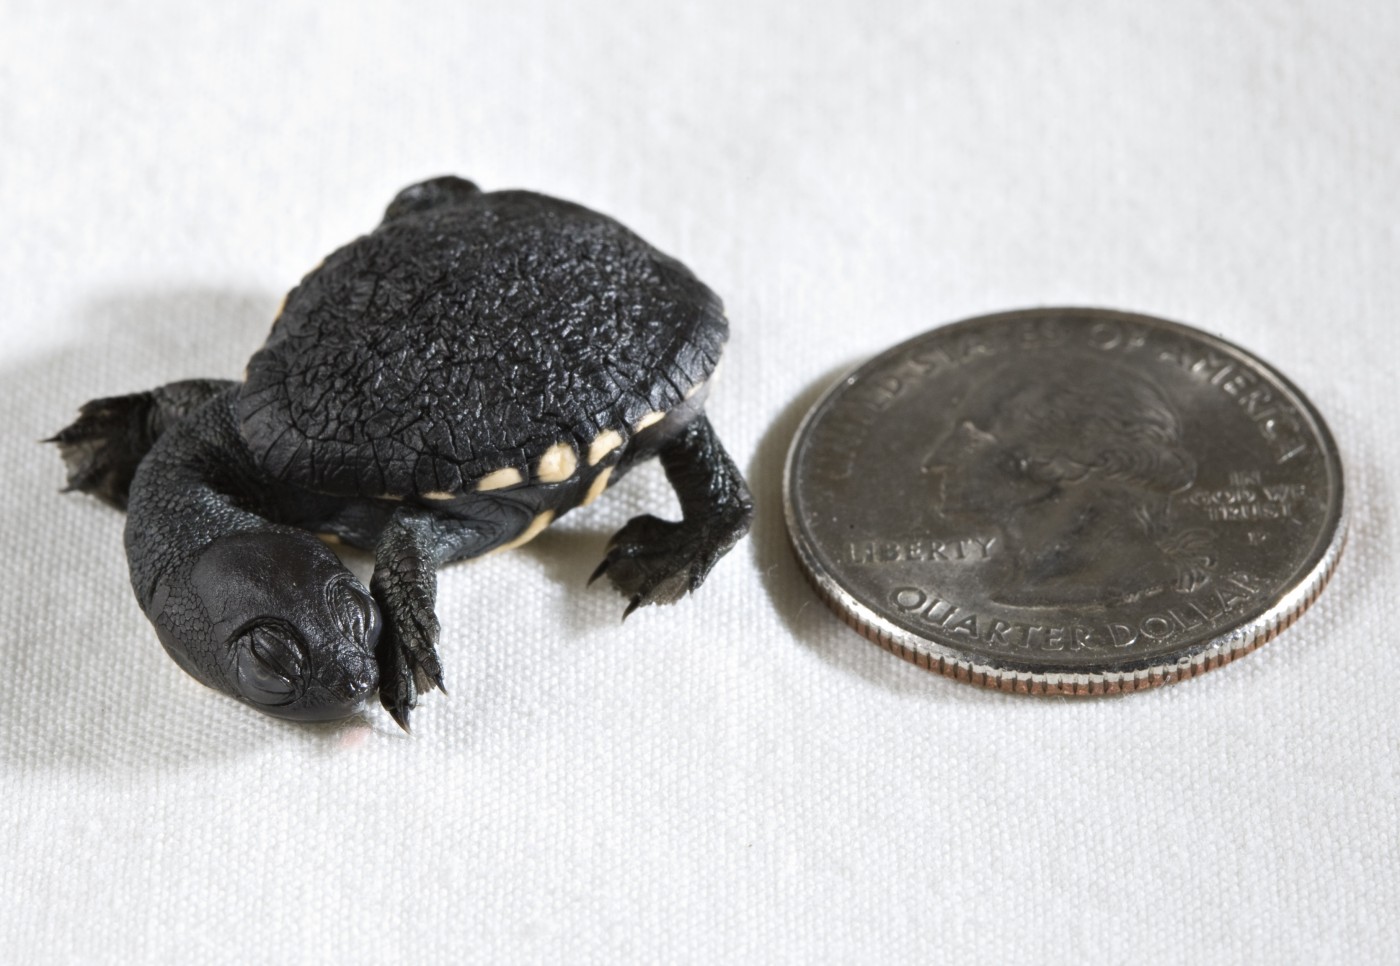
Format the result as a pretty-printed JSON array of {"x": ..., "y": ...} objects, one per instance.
[
  {"x": 110, "y": 437},
  {"x": 655, "y": 561},
  {"x": 407, "y": 651},
  {"x": 104, "y": 445}
]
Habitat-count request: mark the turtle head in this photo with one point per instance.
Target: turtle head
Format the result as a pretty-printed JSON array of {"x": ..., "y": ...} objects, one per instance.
[
  {"x": 433, "y": 193},
  {"x": 289, "y": 629}
]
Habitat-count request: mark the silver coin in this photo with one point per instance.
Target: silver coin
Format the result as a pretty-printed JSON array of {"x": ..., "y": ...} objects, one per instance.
[{"x": 1066, "y": 501}]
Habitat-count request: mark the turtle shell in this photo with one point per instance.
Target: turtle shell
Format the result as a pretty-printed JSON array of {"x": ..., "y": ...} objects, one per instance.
[{"x": 461, "y": 340}]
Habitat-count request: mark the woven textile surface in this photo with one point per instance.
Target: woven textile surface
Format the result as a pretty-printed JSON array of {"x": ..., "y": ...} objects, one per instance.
[{"x": 739, "y": 777}]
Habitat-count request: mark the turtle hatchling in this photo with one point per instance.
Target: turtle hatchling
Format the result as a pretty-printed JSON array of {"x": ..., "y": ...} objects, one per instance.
[{"x": 445, "y": 386}]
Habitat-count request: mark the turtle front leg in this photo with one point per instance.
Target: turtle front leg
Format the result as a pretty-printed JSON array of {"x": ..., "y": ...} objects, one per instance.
[
  {"x": 655, "y": 561},
  {"x": 414, "y": 543},
  {"x": 405, "y": 586}
]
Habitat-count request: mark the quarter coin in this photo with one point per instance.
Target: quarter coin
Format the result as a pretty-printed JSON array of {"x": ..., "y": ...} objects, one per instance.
[{"x": 1066, "y": 501}]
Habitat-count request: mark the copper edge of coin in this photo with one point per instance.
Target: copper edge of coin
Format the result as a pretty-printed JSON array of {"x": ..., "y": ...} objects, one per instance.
[{"x": 1066, "y": 501}]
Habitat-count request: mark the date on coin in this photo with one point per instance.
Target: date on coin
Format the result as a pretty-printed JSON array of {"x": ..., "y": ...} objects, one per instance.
[{"x": 1066, "y": 501}]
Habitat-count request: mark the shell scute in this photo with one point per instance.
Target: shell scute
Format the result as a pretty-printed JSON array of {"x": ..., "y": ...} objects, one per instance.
[{"x": 456, "y": 341}]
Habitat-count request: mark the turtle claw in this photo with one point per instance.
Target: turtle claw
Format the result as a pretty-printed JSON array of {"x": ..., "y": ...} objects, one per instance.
[
  {"x": 406, "y": 671},
  {"x": 407, "y": 651},
  {"x": 398, "y": 692},
  {"x": 401, "y": 680},
  {"x": 400, "y": 717},
  {"x": 654, "y": 561}
]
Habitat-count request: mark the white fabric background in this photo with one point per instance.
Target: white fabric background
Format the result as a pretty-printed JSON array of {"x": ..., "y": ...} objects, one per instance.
[{"x": 739, "y": 777}]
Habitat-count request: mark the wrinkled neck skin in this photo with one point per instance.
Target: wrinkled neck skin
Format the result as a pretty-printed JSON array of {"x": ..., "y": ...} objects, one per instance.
[{"x": 245, "y": 603}]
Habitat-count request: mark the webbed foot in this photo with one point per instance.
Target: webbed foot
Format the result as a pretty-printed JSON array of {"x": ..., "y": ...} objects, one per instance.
[
  {"x": 655, "y": 561},
  {"x": 405, "y": 586},
  {"x": 103, "y": 446},
  {"x": 407, "y": 652}
]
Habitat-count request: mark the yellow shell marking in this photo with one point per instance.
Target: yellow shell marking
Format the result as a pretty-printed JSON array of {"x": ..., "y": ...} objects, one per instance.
[
  {"x": 596, "y": 488},
  {"x": 500, "y": 479},
  {"x": 603, "y": 444},
  {"x": 650, "y": 419},
  {"x": 557, "y": 464},
  {"x": 694, "y": 389},
  {"x": 529, "y": 533},
  {"x": 439, "y": 495}
]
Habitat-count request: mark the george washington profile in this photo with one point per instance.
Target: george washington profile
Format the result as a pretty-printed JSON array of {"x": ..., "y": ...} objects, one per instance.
[{"x": 1077, "y": 459}]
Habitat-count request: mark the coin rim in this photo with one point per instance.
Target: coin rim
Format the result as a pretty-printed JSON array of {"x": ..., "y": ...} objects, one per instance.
[{"x": 1043, "y": 677}]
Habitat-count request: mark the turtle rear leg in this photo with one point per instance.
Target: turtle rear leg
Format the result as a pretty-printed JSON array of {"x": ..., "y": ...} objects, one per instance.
[
  {"x": 655, "y": 561},
  {"x": 103, "y": 446}
]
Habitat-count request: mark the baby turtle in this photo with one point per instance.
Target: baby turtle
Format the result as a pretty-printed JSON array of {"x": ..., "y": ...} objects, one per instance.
[{"x": 445, "y": 386}]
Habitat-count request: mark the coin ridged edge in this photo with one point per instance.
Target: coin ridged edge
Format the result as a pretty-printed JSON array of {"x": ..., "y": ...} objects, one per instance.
[
  {"x": 1207, "y": 656},
  {"x": 1212, "y": 654}
]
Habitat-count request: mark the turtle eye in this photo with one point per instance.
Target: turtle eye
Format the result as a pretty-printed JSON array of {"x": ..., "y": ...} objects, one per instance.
[
  {"x": 350, "y": 608},
  {"x": 270, "y": 665}
]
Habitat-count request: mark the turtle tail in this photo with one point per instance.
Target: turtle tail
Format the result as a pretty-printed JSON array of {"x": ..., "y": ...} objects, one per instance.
[{"x": 103, "y": 446}]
